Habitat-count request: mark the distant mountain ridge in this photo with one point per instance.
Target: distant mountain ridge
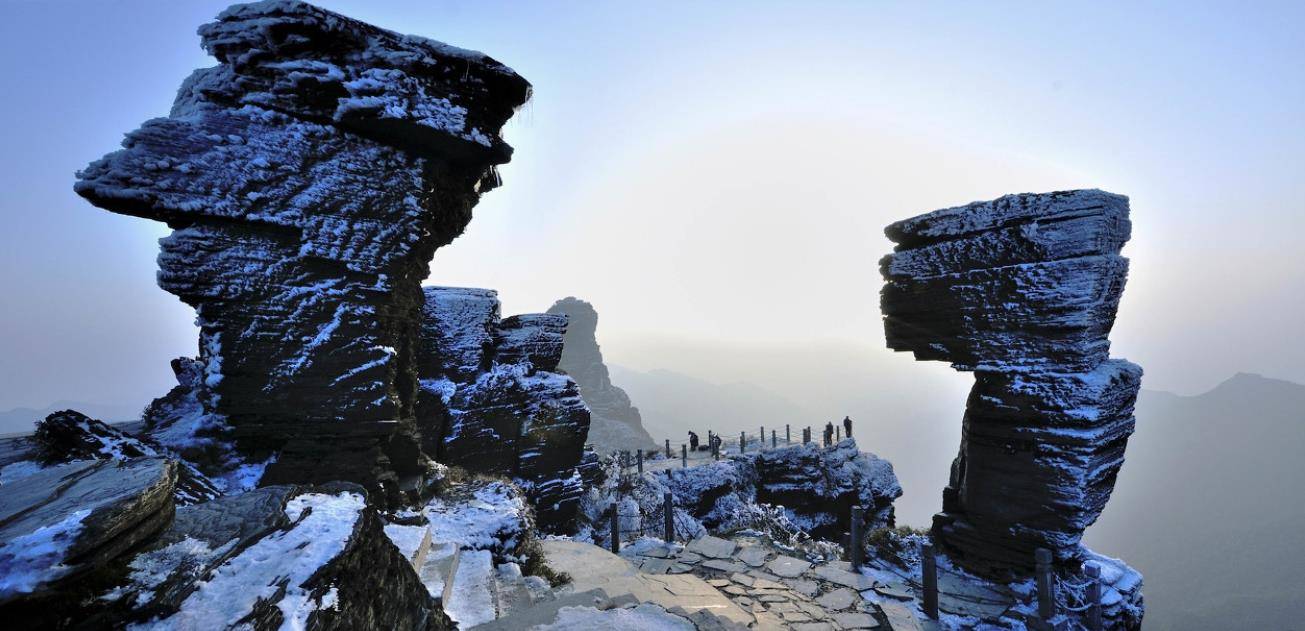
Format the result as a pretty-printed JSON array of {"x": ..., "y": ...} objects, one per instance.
[
  {"x": 1208, "y": 506},
  {"x": 23, "y": 419}
]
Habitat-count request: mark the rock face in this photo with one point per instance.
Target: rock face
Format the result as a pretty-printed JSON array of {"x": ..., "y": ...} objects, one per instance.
[
  {"x": 615, "y": 423},
  {"x": 492, "y": 400},
  {"x": 1022, "y": 291},
  {"x": 308, "y": 179}
]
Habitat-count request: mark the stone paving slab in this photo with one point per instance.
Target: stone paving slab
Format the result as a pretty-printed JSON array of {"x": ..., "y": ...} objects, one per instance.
[
  {"x": 787, "y": 567},
  {"x": 754, "y": 556},
  {"x": 843, "y": 577},
  {"x": 592, "y": 568},
  {"x": 856, "y": 621},
  {"x": 712, "y": 547},
  {"x": 802, "y": 586},
  {"x": 895, "y": 590},
  {"x": 728, "y": 567},
  {"x": 900, "y": 617},
  {"x": 841, "y": 598}
]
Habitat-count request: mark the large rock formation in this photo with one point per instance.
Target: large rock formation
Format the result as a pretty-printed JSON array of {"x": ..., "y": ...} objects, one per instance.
[
  {"x": 493, "y": 401},
  {"x": 309, "y": 178},
  {"x": 809, "y": 488},
  {"x": 615, "y": 424},
  {"x": 1021, "y": 290}
]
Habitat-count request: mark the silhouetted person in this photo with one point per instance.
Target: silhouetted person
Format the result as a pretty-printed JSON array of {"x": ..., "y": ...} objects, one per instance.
[
  {"x": 847, "y": 426},
  {"x": 693, "y": 441}
]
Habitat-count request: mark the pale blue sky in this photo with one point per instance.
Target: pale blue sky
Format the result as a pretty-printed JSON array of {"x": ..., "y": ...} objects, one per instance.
[{"x": 722, "y": 173}]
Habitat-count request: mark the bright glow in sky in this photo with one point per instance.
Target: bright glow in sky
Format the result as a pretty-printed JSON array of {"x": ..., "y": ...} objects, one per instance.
[{"x": 722, "y": 173}]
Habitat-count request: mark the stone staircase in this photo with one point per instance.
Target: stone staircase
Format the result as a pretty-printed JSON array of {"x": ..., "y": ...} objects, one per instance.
[{"x": 473, "y": 590}]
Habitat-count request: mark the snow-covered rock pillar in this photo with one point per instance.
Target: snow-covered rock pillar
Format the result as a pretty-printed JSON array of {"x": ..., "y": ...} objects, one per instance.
[
  {"x": 309, "y": 178},
  {"x": 1022, "y": 291}
]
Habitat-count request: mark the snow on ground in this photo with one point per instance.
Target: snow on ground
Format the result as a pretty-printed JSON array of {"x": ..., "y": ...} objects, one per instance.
[
  {"x": 322, "y": 525},
  {"x": 37, "y": 557},
  {"x": 491, "y": 518}
]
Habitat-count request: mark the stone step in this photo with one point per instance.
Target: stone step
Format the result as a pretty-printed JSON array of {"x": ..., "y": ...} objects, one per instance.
[
  {"x": 413, "y": 542},
  {"x": 438, "y": 568},
  {"x": 471, "y": 599},
  {"x": 546, "y": 612}
]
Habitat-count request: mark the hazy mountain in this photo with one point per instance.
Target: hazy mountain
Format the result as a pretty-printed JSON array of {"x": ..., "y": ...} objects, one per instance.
[
  {"x": 1209, "y": 506},
  {"x": 22, "y": 420},
  {"x": 674, "y": 404}
]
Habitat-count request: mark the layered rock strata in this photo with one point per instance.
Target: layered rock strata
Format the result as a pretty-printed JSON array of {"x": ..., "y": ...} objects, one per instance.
[
  {"x": 615, "y": 424},
  {"x": 308, "y": 179},
  {"x": 1022, "y": 291},
  {"x": 69, "y": 435},
  {"x": 494, "y": 402}
]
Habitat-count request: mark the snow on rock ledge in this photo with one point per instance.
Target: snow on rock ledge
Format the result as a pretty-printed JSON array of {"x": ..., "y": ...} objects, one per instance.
[
  {"x": 309, "y": 178},
  {"x": 276, "y": 557}
]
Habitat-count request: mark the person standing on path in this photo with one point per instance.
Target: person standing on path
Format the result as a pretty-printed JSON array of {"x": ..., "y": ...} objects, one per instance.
[
  {"x": 847, "y": 426},
  {"x": 693, "y": 441}
]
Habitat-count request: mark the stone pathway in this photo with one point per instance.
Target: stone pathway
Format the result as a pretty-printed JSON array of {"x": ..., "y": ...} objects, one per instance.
[{"x": 781, "y": 591}]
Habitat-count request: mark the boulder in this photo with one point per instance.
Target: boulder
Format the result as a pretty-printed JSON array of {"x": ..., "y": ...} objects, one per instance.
[
  {"x": 309, "y": 178},
  {"x": 615, "y": 423}
]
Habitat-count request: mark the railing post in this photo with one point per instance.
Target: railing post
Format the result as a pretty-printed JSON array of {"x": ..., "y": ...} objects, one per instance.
[
  {"x": 761, "y": 439},
  {"x": 743, "y": 445},
  {"x": 854, "y": 539},
  {"x": 1093, "y": 572},
  {"x": 1046, "y": 590},
  {"x": 773, "y": 441},
  {"x": 684, "y": 456},
  {"x": 668, "y": 511},
  {"x": 668, "y": 448},
  {"x": 838, "y": 434},
  {"x": 616, "y": 529},
  {"x": 640, "y": 457},
  {"x": 849, "y": 428},
  {"x": 929, "y": 570},
  {"x": 788, "y": 436}
]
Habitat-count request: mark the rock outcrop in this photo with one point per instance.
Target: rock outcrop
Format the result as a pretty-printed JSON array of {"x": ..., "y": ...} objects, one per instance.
[
  {"x": 492, "y": 400},
  {"x": 70, "y": 435},
  {"x": 615, "y": 424},
  {"x": 308, "y": 179},
  {"x": 65, "y": 522},
  {"x": 1022, "y": 291},
  {"x": 809, "y": 488}
]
